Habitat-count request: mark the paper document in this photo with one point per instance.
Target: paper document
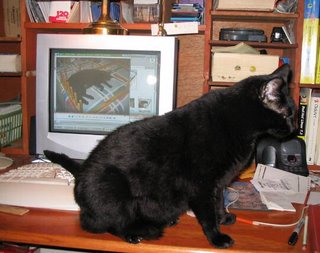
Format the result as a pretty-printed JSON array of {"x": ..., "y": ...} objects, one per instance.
[{"x": 279, "y": 188}]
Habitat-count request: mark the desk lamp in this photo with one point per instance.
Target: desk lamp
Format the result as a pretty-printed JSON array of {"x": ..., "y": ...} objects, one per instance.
[
  {"x": 105, "y": 25},
  {"x": 161, "y": 30}
]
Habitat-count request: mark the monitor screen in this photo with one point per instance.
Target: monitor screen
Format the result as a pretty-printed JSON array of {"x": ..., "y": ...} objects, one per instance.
[
  {"x": 89, "y": 85},
  {"x": 96, "y": 91}
]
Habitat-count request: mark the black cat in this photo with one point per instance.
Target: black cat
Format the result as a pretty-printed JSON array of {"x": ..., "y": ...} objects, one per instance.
[{"x": 144, "y": 175}]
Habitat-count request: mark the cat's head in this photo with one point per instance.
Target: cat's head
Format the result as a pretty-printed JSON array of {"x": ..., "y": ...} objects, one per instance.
[
  {"x": 275, "y": 96},
  {"x": 274, "y": 107}
]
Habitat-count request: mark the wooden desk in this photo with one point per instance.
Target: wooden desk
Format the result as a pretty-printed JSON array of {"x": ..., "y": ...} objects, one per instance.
[{"x": 62, "y": 229}]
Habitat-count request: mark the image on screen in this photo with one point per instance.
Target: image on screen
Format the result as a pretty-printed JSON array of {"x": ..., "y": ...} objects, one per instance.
[{"x": 96, "y": 91}]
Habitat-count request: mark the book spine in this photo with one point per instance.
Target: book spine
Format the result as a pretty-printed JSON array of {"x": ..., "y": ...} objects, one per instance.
[
  {"x": 310, "y": 41},
  {"x": 305, "y": 94},
  {"x": 317, "y": 152},
  {"x": 59, "y": 11},
  {"x": 313, "y": 119},
  {"x": 317, "y": 81}
]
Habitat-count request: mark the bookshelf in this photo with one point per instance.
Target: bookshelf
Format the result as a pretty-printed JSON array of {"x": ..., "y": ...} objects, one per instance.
[
  {"x": 11, "y": 82},
  {"x": 217, "y": 19}
]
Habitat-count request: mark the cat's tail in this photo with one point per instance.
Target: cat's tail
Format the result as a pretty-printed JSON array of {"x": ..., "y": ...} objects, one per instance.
[{"x": 65, "y": 161}]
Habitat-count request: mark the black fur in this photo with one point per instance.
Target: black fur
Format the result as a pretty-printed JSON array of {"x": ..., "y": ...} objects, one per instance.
[{"x": 144, "y": 175}]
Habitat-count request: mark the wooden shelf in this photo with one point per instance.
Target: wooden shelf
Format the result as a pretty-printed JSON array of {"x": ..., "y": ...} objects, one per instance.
[
  {"x": 313, "y": 86},
  {"x": 9, "y": 39},
  {"x": 254, "y": 44},
  {"x": 53, "y": 26},
  {"x": 14, "y": 148},
  {"x": 10, "y": 74},
  {"x": 80, "y": 26},
  {"x": 252, "y": 15}
]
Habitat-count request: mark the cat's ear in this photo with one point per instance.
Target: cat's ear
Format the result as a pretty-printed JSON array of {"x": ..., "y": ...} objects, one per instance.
[
  {"x": 283, "y": 72},
  {"x": 271, "y": 94},
  {"x": 272, "y": 89}
]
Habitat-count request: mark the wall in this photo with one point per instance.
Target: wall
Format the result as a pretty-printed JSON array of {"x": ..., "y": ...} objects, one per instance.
[{"x": 190, "y": 68}]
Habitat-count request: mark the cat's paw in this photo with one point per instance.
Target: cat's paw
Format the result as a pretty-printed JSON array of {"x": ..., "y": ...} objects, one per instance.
[
  {"x": 222, "y": 241},
  {"x": 228, "y": 219},
  {"x": 134, "y": 239}
]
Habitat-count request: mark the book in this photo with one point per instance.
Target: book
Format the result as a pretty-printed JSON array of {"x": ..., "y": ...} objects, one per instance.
[
  {"x": 312, "y": 127},
  {"x": 74, "y": 16},
  {"x": 310, "y": 41},
  {"x": 95, "y": 11},
  {"x": 317, "y": 81},
  {"x": 59, "y": 11},
  {"x": 11, "y": 18},
  {"x": 145, "y": 2},
  {"x": 45, "y": 9},
  {"x": 85, "y": 12},
  {"x": 304, "y": 97},
  {"x": 200, "y": 2},
  {"x": 288, "y": 31},
  {"x": 10, "y": 63},
  {"x": 317, "y": 151},
  {"x": 36, "y": 11}
]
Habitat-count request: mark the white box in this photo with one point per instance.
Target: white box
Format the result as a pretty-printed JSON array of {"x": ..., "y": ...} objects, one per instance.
[
  {"x": 233, "y": 67},
  {"x": 249, "y": 5}
]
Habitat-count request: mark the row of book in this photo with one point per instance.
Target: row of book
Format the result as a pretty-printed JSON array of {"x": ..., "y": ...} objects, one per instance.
[
  {"x": 310, "y": 56},
  {"x": 309, "y": 123},
  {"x": 68, "y": 11}
]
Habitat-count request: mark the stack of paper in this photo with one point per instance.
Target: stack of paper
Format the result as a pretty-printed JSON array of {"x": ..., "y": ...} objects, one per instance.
[{"x": 279, "y": 188}]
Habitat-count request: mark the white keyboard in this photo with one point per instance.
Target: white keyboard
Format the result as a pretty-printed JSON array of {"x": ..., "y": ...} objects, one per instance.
[
  {"x": 46, "y": 173},
  {"x": 40, "y": 185}
]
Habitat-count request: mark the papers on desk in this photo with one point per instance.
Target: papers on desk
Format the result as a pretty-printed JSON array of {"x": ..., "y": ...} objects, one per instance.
[{"x": 279, "y": 188}]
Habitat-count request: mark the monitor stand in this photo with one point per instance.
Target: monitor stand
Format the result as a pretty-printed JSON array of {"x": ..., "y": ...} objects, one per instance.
[{"x": 5, "y": 162}]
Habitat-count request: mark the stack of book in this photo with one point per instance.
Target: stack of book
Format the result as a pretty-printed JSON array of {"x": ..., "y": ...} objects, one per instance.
[
  {"x": 309, "y": 123},
  {"x": 192, "y": 12}
]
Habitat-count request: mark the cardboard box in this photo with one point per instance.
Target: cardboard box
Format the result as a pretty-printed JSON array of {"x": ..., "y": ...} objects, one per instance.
[
  {"x": 233, "y": 67},
  {"x": 249, "y": 5}
]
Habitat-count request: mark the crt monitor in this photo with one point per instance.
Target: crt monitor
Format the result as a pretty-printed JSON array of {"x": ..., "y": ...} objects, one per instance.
[{"x": 89, "y": 85}]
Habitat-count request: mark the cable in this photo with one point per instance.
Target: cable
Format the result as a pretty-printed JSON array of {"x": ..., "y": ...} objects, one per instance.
[{"x": 259, "y": 223}]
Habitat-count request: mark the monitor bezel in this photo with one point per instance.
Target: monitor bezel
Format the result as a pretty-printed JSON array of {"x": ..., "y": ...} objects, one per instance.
[{"x": 78, "y": 146}]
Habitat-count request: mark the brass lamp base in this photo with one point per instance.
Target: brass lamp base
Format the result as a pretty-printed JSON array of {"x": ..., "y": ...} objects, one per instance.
[{"x": 106, "y": 27}]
